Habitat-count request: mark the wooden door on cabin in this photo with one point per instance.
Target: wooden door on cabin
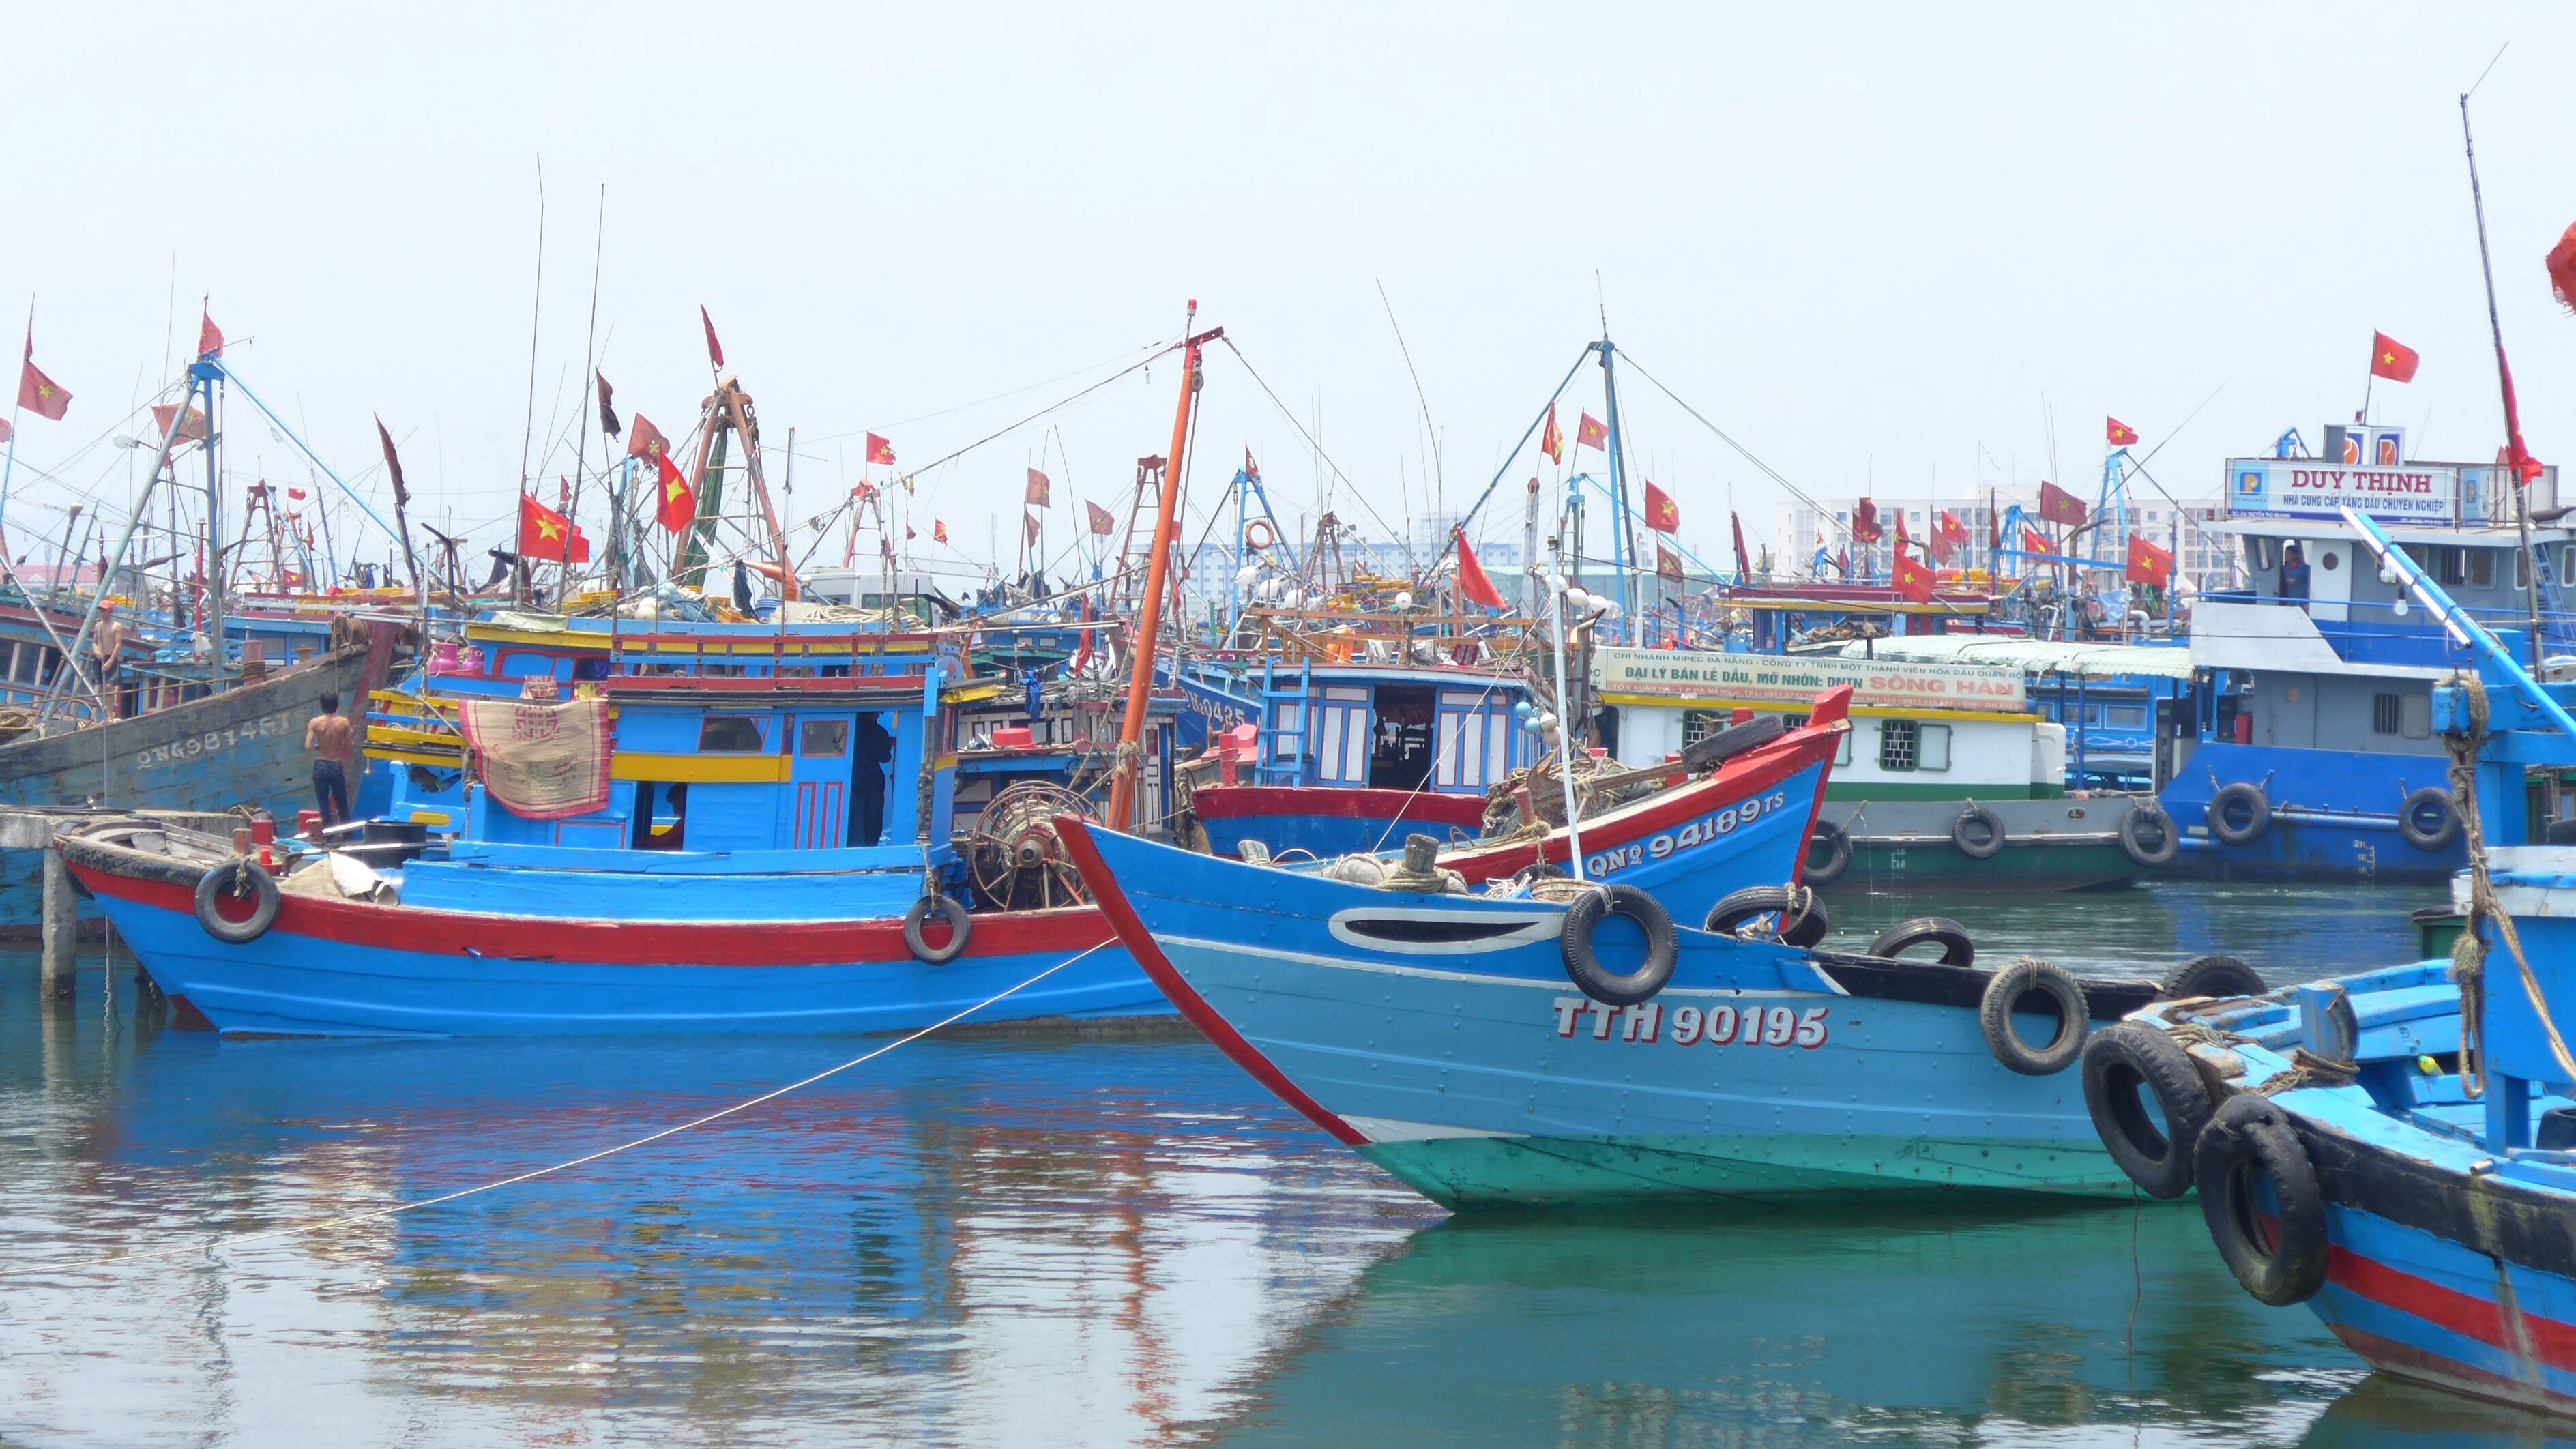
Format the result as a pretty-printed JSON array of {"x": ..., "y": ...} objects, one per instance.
[{"x": 818, "y": 781}]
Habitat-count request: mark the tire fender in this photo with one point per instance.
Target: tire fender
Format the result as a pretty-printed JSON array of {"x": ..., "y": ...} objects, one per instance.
[
  {"x": 1801, "y": 917},
  {"x": 2248, "y": 1140},
  {"x": 1978, "y": 832},
  {"x": 2258, "y": 813},
  {"x": 2445, "y": 810},
  {"x": 237, "y": 877},
  {"x": 2025, "y": 978},
  {"x": 1583, "y": 965},
  {"x": 2119, "y": 1064},
  {"x": 1838, "y": 854},
  {"x": 1956, "y": 948},
  {"x": 2142, "y": 818},
  {"x": 960, "y": 926},
  {"x": 2211, "y": 976}
]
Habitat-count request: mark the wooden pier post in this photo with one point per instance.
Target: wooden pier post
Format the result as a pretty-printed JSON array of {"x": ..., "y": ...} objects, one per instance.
[{"x": 61, "y": 929}]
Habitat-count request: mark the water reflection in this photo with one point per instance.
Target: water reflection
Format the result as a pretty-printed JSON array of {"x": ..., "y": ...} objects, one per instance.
[{"x": 990, "y": 1242}]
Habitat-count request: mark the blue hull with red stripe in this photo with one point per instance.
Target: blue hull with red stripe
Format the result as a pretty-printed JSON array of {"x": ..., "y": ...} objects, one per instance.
[
  {"x": 1330, "y": 820},
  {"x": 331, "y": 967}
]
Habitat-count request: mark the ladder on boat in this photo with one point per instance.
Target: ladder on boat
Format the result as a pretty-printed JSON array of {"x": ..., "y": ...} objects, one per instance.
[
  {"x": 1284, "y": 762},
  {"x": 2557, "y": 629}
]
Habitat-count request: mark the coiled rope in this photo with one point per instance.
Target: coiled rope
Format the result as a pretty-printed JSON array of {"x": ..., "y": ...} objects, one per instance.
[
  {"x": 2468, "y": 957},
  {"x": 238, "y": 1240}
]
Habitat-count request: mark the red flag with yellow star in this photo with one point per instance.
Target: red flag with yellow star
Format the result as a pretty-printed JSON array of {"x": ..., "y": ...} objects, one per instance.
[
  {"x": 677, "y": 503},
  {"x": 880, "y": 451},
  {"x": 1552, "y": 442},
  {"x": 38, "y": 393},
  {"x": 546, "y": 536},
  {"x": 1663, "y": 515},
  {"x": 1913, "y": 578},
  {"x": 1589, "y": 433},
  {"x": 2392, "y": 359}
]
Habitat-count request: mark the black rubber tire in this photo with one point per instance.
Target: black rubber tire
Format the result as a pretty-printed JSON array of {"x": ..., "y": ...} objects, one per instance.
[
  {"x": 2117, "y": 1063},
  {"x": 232, "y": 878},
  {"x": 1978, "y": 833},
  {"x": 2211, "y": 976},
  {"x": 1994, "y": 1016},
  {"x": 961, "y": 924},
  {"x": 2143, "y": 817},
  {"x": 2445, "y": 810},
  {"x": 1956, "y": 948},
  {"x": 2250, "y": 1134},
  {"x": 1838, "y": 855},
  {"x": 1803, "y": 921},
  {"x": 2258, "y": 813},
  {"x": 1583, "y": 966}
]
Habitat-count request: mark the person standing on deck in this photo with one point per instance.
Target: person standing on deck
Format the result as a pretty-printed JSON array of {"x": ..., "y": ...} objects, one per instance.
[
  {"x": 331, "y": 741},
  {"x": 107, "y": 651}
]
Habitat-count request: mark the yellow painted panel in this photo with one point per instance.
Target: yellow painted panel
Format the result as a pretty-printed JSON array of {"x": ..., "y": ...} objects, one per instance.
[
  {"x": 1773, "y": 706},
  {"x": 697, "y": 769}
]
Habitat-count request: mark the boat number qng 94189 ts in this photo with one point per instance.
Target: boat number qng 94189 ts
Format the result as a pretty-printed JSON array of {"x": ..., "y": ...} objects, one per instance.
[{"x": 1708, "y": 827}]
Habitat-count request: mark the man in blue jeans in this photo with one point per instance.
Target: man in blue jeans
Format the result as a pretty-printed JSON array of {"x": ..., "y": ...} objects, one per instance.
[{"x": 331, "y": 741}]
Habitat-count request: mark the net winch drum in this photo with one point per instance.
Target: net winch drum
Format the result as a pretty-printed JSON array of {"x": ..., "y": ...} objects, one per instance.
[{"x": 2536, "y": 885}]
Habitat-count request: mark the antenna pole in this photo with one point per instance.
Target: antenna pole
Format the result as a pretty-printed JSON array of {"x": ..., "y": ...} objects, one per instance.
[{"x": 2513, "y": 449}]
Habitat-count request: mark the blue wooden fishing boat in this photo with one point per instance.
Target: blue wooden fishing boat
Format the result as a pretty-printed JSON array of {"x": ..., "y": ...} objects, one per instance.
[
  {"x": 2397, "y": 1148},
  {"x": 1573, "y": 1044}
]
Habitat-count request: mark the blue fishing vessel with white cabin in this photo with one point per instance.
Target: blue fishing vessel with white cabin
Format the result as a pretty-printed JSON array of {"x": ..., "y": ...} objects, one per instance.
[
  {"x": 2311, "y": 750},
  {"x": 2397, "y": 1148}
]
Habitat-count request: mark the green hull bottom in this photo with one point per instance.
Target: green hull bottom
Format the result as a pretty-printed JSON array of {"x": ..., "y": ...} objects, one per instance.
[
  {"x": 1548, "y": 1172},
  {"x": 2038, "y": 866}
]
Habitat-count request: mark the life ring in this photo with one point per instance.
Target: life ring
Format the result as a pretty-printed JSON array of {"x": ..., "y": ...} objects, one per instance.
[
  {"x": 2444, "y": 811},
  {"x": 1583, "y": 966},
  {"x": 1838, "y": 854},
  {"x": 1798, "y": 917},
  {"x": 231, "y": 880},
  {"x": 2145, "y": 817},
  {"x": 2155, "y": 1151},
  {"x": 1978, "y": 832},
  {"x": 1258, "y": 534},
  {"x": 2024, "y": 978},
  {"x": 1956, "y": 948},
  {"x": 2277, "y": 1250},
  {"x": 960, "y": 926},
  {"x": 2226, "y": 804},
  {"x": 2210, "y": 976}
]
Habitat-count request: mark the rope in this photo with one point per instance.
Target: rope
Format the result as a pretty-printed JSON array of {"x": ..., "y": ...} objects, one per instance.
[
  {"x": 2468, "y": 958},
  {"x": 373, "y": 1214}
]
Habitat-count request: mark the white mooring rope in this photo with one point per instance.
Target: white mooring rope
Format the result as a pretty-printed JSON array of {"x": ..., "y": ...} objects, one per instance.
[{"x": 347, "y": 1219}]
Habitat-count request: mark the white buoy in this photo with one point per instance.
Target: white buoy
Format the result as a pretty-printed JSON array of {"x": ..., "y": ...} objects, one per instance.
[{"x": 1404, "y": 598}]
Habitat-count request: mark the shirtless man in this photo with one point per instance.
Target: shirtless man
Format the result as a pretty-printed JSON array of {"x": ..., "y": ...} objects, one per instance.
[{"x": 331, "y": 741}]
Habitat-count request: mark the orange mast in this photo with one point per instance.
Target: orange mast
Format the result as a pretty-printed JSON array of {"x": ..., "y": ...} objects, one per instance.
[{"x": 1149, "y": 608}]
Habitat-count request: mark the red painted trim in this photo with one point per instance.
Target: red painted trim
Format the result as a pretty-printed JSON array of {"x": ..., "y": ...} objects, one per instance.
[
  {"x": 619, "y": 943},
  {"x": 1149, "y": 954},
  {"x": 1237, "y": 802},
  {"x": 1752, "y": 771},
  {"x": 2467, "y": 1315}
]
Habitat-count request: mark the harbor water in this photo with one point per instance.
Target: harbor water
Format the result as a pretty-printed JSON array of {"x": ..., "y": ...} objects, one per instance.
[{"x": 1014, "y": 1241}]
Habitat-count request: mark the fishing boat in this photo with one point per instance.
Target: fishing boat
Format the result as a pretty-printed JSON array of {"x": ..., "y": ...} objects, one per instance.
[
  {"x": 1946, "y": 777},
  {"x": 2396, "y": 1148}
]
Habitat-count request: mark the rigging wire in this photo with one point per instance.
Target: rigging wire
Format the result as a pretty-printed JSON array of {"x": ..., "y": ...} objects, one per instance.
[{"x": 1402, "y": 541}]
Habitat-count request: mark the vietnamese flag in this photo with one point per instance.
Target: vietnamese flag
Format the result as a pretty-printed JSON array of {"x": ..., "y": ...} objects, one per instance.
[
  {"x": 1994, "y": 525},
  {"x": 1590, "y": 434},
  {"x": 2148, "y": 564},
  {"x": 1902, "y": 542},
  {"x": 715, "y": 349},
  {"x": 1102, "y": 520},
  {"x": 1668, "y": 564},
  {"x": 2392, "y": 359},
  {"x": 643, "y": 440},
  {"x": 678, "y": 503},
  {"x": 2056, "y": 505},
  {"x": 1552, "y": 442},
  {"x": 1473, "y": 584},
  {"x": 2032, "y": 541},
  {"x": 210, "y": 338},
  {"x": 1663, "y": 515},
  {"x": 879, "y": 450},
  {"x": 38, "y": 393},
  {"x": 938, "y": 531},
  {"x": 1949, "y": 536},
  {"x": 2120, "y": 433},
  {"x": 548, "y": 536},
  {"x": 1041, "y": 492},
  {"x": 1913, "y": 578},
  {"x": 1864, "y": 524}
]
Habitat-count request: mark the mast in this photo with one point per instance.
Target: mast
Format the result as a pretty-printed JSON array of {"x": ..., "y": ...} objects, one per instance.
[
  {"x": 2514, "y": 454},
  {"x": 214, "y": 528},
  {"x": 1619, "y": 545},
  {"x": 1149, "y": 607}
]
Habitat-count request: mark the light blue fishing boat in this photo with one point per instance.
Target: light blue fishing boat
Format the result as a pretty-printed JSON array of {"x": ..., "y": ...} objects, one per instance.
[{"x": 2397, "y": 1148}]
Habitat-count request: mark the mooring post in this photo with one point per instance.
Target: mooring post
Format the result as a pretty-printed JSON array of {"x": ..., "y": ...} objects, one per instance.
[{"x": 61, "y": 928}]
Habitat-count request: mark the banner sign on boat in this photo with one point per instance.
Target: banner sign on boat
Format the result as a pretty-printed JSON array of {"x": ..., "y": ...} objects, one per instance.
[
  {"x": 2311, "y": 488},
  {"x": 1797, "y": 679}
]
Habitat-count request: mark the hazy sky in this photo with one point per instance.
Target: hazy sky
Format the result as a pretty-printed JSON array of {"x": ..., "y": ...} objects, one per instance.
[{"x": 1862, "y": 240}]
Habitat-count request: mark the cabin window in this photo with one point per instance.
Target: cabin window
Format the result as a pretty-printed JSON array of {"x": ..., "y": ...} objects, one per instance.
[
  {"x": 2567, "y": 564},
  {"x": 22, "y": 663},
  {"x": 2261, "y": 554},
  {"x": 1896, "y": 741},
  {"x": 1843, "y": 751},
  {"x": 2407, "y": 715},
  {"x": 1932, "y": 747},
  {"x": 2451, "y": 566},
  {"x": 2127, "y": 716},
  {"x": 729, "y": 734},
  {"x": 825, "y": 737},
  {"x": 2481, "y": 567},
  {"x": 2383, "y": 714},
  {"x": 1699, "y": 724}
]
